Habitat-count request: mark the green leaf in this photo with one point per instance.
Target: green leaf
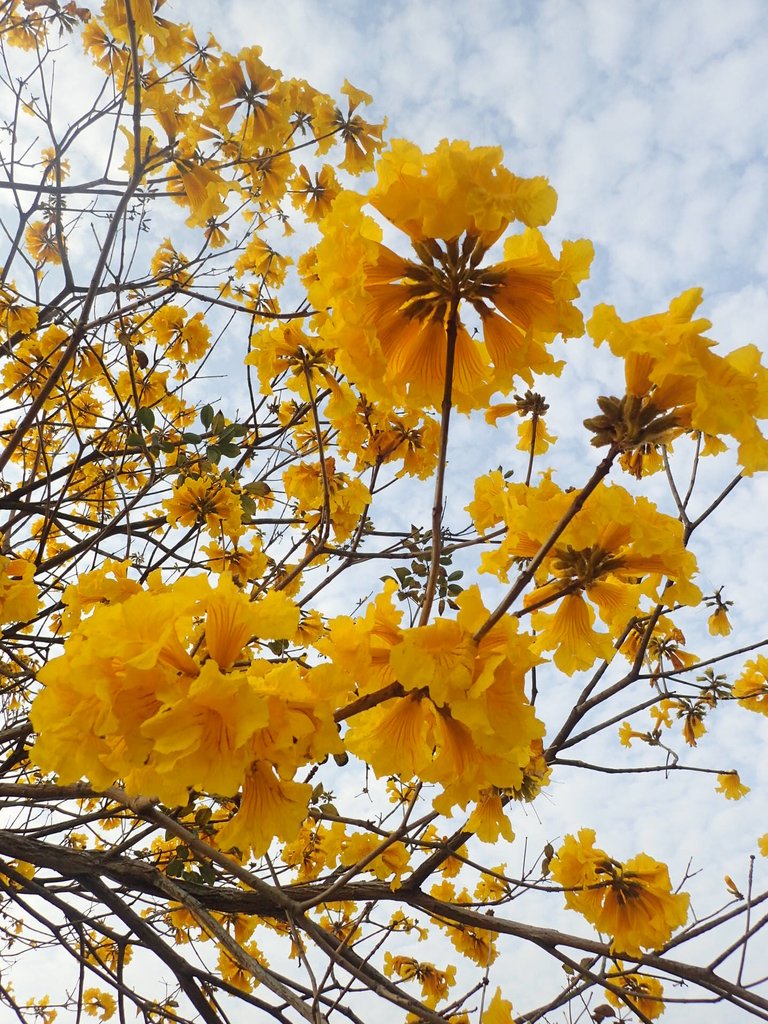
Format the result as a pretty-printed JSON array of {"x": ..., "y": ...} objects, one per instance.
[
  {"x": 188, "y": 437},
  {"x": 145, "y": 418},
  {"x": 213, "y": 454},
  {"x": 134, "y": 441},
  {"x": 203, "y": 815},
  {"x": 259, "y": 488},
  {"x": 207, "y": 873},
  {"x": 248, "y": 505},
  {"x": 229, "y": 451},
  {"x": 206, "y": 416}
]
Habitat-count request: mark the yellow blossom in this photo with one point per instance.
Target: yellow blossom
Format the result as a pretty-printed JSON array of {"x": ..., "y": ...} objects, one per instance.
[
  {"x": 207, "y": 501},
  {"x": 43, "y": 243},
  {"x": 435, "y": 983},
  {"x": 488, "y": 820},
  {"x": 731, "y": 786},
  {"x": 672, "y": 369},
  {"x": 99, "y": 1004},
  {"x": 632, "y": 902},
  {"x": 391, "y": 863},
  {"x": 751, "y": 688},
  {"x": 390, "y": 315},
  {"x": 19, "y": 596},
  {"x": 718, "y": 623},
  {"x": 499, "y": 1010},
  {"x": 270, "y": 807},
  {"x": 642, "y": 991}
]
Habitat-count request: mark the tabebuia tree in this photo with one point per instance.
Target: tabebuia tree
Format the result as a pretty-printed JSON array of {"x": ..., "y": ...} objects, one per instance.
[{"x": 271, "y": 719}]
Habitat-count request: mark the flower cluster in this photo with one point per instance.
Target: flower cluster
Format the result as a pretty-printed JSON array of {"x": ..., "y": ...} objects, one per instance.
[
  {"x": 632, "y": 902},
  {"x": 676, "y": 382},
  {"x": 391, "y": 318},
  {"x": 461, "y": 718},
  {"x": 19, "y": 595},
  {"x": 613, "y": 553},
  {"x": 162, "y": 690}
]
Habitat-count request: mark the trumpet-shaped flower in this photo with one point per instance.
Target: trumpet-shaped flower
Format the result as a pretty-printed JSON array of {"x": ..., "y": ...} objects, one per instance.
[
  {"x": 391, "y": 316},
  {"x": 680, "y": 382},
  {"x": 751, "y": 688},
  {"x": 631, "y": 902}
]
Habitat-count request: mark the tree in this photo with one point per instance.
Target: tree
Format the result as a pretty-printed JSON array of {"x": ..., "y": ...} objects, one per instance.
[{"x": 220, "y": 627}]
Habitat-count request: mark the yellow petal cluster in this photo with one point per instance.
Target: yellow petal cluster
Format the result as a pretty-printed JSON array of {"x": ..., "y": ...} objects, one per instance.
[
  {"x": 463, "y": 721},
  {"x": 672, "y": 367},
  {"x": 631, "y": 902},
  {"x": 751, "y": 688},
  {"x": 19, "y": 595},
  {"x": 615, "y": 551},
  {"x": 162, "y": 690},
  {"x": 388, "y": 315},
  {"x": 642, "y": 991}
]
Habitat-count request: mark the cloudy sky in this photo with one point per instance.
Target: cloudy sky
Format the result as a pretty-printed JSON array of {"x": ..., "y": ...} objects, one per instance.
[{"x": 651, "y": 120}]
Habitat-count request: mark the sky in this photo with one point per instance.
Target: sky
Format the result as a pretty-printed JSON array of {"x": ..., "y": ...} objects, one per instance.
[{"x": 651, "y": 121}]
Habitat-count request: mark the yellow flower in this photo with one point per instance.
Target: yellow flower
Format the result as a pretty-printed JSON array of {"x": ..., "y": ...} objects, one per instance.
[
  {"x": 15, "y": 317},
  {"x": 108, "y": 584},
  {"x": 347, "y": 496},
  {"x": 99, "y": 1004},
  {"x": 184, "y": 339},
  {"x": 243, "y": 563},
  {"x": 475, "y": 944},
  {"x": 392, "y": 861},
  {"x": 642, "y": 991},
  {"x": 201, "y": 739},
  {"x": 394, "y": 738},
  {"x": 671, "y": 368},
  {"x": 627, "y": 734},
  {"x": 315, "y": 197},
  {"x": 116, "y": 19},
  {"x": 19, "y": 595},
  {"x": 615, "y": 551},
  {"x": 362, "y": 140},
  {"x": 201, "y": 189},
  {"x": 731, "y": 786},
  {"x": 237, "y": 975},
  {"x": 270, "y": 807},
  {"x": 43, "y": 242},
  {"x": 488, "y": 820},
  {"x": 718, "y": 622},
  {"x": 243, "y": 86},
  {"x": 499, "y": 1010},
  {"x": 631, "y": 902},
  {"x": 393, "y": 314},
  {"x": 435, "y": 984},
  {"x": 569, "y": 631},
  {"x": 440, "y": 656},
  {"x": 205, "y": 501},
  {"x": 751, "y": 687}
]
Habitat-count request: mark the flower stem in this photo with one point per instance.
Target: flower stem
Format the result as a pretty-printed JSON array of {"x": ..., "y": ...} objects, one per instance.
[{"x": 452, "y": 328}]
